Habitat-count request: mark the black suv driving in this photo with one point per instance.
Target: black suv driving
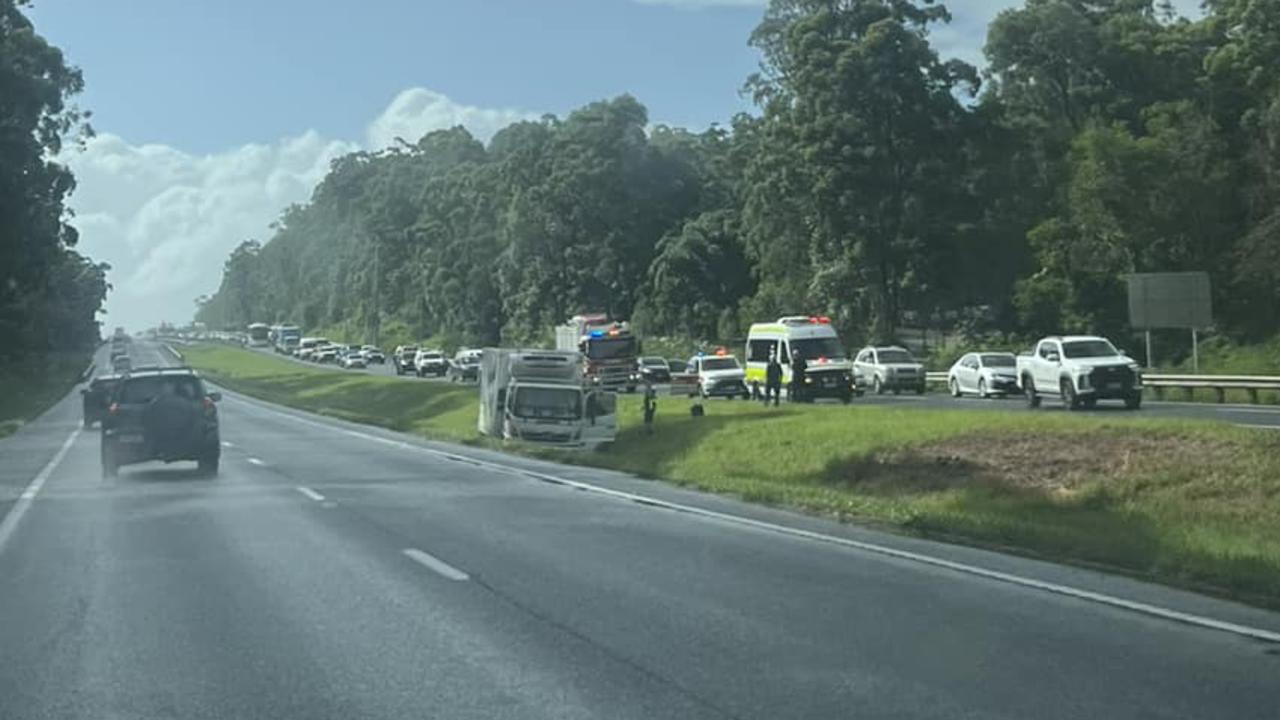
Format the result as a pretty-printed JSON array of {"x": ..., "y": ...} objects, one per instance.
[{"x": 161, "y": 414}]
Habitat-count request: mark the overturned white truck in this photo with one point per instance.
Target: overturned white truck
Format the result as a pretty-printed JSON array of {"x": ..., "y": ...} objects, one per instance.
[{"x": 542, "y": 396}]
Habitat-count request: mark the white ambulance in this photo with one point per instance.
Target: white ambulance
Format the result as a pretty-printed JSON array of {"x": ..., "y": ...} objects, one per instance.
[{"x": 828, "y": 371}]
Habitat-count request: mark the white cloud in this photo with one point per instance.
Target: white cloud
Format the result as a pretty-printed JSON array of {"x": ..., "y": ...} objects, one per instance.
[
  {"x": 166, "y": 220},
  {"x": 417, "y": 111}
]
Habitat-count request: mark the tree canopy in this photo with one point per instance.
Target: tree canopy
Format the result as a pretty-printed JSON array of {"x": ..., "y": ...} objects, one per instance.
[
  {"x": 879, "y": 183},
  {"x": 49, "y": 294}
]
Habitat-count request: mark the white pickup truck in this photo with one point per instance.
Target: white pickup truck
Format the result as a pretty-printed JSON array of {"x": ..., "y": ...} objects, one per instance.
[{"x": 1080, "y": 369}]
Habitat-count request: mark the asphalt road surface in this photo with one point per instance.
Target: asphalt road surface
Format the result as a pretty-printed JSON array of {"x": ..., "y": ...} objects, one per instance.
[{"x": 337, "y": 571}]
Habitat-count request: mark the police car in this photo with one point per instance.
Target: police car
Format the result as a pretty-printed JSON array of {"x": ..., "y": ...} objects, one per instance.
[{"x": 719, "y": 375}]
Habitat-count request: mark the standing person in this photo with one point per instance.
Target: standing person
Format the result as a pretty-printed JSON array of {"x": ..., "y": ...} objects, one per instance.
[
  {"x": 773, "y": 379},
  {"x": 798, "y": 368},
  {"x": 650, "y": 406}
]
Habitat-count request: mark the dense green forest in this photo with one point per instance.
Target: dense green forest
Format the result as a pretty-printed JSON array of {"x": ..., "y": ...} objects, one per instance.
[
  {"x": 877, "y": 183},
  {"x": 50, "y": 295}
]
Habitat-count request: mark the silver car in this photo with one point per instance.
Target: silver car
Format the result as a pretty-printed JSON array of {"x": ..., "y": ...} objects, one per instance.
[
  {"x": 888, "y": 368},
  {"x": 984, "y": 374}
]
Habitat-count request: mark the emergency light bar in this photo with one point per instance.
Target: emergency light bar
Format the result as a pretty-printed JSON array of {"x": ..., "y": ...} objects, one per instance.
[{"x": 805, "y": 320}]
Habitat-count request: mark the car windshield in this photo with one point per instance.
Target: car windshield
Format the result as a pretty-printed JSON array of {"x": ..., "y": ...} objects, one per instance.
[
  {"x": 998, "y": 360},
  {"x": 432, "y": 356},
  {"x": 609, "y": 348},
  {"x": 1077, "y": 349},
  {"x": 547, "y": 403},
  {"x": 895, "y": 356},
  {"x": 145, "y": 389},
  {"x": 813, "y": 348},
  {"x": 720, "y": 363}
]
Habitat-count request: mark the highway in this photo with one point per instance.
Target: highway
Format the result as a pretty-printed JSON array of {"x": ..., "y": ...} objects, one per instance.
[{"x": 338, "y": 571}]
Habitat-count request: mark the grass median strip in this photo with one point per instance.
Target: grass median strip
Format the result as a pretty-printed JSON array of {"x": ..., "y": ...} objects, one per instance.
[{"x": 1191, "y": 503}]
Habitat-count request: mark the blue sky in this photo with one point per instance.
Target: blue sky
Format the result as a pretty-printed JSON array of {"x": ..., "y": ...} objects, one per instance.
[
  {"x": 212, "y": 116},
  {"x": 204, "y": 75}
]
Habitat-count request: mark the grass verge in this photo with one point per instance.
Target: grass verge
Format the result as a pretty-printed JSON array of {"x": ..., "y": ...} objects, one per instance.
[
  {"x": 1189, "y": 503},
  {"x": 32, "y": 384}
]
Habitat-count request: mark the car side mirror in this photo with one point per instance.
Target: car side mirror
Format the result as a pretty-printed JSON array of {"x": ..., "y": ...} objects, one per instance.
[{"x": 215, "y": 396}]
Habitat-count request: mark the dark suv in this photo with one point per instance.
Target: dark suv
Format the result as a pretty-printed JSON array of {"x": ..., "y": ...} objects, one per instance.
[{"x": 161, "y": 414}]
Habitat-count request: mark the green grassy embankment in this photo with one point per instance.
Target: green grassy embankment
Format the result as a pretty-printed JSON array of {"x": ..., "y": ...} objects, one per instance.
[
  {"x": 31, "y": 385},
  {"x": 436, "y": 410},
  {"x": 1189, "y": 503}
]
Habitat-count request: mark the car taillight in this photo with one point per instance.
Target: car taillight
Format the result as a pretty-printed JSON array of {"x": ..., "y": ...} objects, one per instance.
[{"x": 114, "y": 407}]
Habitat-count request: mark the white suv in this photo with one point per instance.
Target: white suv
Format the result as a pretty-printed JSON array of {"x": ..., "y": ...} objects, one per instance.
[
  {"x": 888, "y": 368},
  {"x": 430, "y": 362}
]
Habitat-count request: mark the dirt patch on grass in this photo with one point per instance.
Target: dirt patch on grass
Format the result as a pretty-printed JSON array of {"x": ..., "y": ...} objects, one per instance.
[{"x": 1055, "y": 464}]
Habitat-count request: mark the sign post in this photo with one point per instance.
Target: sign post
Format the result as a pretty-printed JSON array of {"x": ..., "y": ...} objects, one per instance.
[{"x": 1171, "y": 300}]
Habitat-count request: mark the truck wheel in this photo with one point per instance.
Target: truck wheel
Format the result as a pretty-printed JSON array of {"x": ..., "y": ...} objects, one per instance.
[
  {"x": 920, "y": 389},
  {"x": 1070, "y": 400},
  {"x": 954, "y": 387},
  {"x": 1134, "y": 401},
  {"x": 877, "y": 387},
  {"x": 1029, "y": 389}
]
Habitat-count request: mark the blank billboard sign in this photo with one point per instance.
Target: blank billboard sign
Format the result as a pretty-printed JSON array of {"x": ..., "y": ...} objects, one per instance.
[{"x": 1170, "y": 300}]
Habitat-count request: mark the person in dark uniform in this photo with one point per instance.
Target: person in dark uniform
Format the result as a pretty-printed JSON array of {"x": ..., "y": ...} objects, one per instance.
[
  {"x": 650, "y": 406},
  {"x": 773, "y": 379},
  {"x": 798, "y": 368}
]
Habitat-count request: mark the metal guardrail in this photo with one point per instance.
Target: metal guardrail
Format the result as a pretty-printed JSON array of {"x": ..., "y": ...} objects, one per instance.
[
  {"x": 1219, "y": 384},
  {"x": 1188, "y": 384}
]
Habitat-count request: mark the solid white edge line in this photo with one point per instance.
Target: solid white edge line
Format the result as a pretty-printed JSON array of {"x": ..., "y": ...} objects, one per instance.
[
  {"x": 435, "y": 564},
  {"x": 1055, "y": 588},
  {"x": 227, "y": 444},
  {"x": 1258, "y": 427},
  {"x": 310, "y": 493},
  {"x": 28, "y": 496}
]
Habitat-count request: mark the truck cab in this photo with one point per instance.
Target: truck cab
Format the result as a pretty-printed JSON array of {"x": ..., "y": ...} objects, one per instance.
[
  {"x": 1081, "y": 370},
  {"x": 607, "y": 347},
  {"x": 542, "y": 396}
]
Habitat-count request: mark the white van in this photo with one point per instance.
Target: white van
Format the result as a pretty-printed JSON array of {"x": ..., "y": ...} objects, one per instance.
[{"x": 828, "y": 371}]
